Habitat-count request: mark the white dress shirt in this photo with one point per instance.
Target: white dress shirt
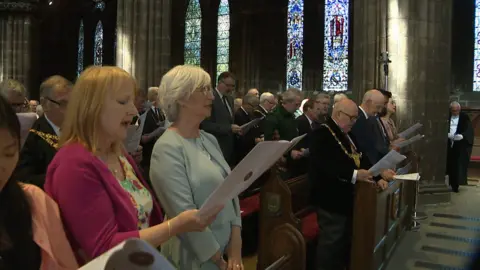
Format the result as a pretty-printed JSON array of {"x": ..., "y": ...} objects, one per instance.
[
  {"x": 55, "y": 127},
  {"x": 454, "y": 124}
]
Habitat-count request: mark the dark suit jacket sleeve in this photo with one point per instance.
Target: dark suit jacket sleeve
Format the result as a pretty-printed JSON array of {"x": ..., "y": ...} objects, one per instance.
[
  {"x": 325, "y": 157},
  {"x": 214, "y": 128},
  {"x": 360, "y": 131},
  {"x": 467, "y": 132},
  {"x": 269, "y": 126},
  {"x": 31, "y": 167}
]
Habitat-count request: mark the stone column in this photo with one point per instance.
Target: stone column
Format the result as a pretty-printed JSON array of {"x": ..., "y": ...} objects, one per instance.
[
  {"x": 16, "y": 41},
  {"x": 143, "y": 39},
  {"x": 418, "y": 37}
]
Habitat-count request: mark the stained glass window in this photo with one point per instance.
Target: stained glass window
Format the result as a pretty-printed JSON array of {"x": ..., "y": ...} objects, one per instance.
[
  {"x": 193, "y": 33},
  {"x": 295, "y": 44},
  {"x": 476, "y": 61},
  {"x": 98, "y": 46},
  {"x": 223, "y": 37},
  {"x": 100, "y": 5},
  {"x": 335, "y": 59},
  {"x": 81, "y": 44}
]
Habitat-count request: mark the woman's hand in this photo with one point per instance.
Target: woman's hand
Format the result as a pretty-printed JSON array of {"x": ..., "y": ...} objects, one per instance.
[
  {"x": 190, "y": 221},
  {"x": 234, "y": 250}
]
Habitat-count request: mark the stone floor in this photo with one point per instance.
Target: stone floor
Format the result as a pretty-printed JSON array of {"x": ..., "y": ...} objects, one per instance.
[{"x": 448, "y": 238}]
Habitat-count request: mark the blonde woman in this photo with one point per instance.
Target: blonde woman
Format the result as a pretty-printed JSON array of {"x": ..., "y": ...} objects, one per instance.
[
  {"x": 186, "y": 166},
  {"x": 100, "y": 192}
]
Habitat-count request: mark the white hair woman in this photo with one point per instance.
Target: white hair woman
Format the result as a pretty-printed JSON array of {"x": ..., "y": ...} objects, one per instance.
[{"x": 186, "y": 166}]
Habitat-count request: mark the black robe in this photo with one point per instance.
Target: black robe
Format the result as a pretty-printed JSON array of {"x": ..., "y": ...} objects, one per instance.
[
  {"x": 458, "y": 155},
  {"x": 37, "y": 153}
]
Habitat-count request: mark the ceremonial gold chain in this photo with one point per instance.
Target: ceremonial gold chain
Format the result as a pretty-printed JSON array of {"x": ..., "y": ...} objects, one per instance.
[
  {"x": 52, "y": 140},
  {"x": 354, "y": 155}
]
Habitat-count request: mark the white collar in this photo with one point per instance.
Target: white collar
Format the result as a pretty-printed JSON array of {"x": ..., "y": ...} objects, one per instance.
[
  {"x": 55, "y": 127},
  {"x": 219, "y": 94},
  {"x": 309, "y": 120},
  {"x": 366, "y": 115},
  {"x": 263, "y": 108},
  {"x": 244, "y": 110}
]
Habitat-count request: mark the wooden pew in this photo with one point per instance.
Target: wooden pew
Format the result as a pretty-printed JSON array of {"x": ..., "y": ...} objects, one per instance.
[
  {"x": 284, "y": 209},
  {"x": 380, "y": 219},
  {"x": 377, "y": 231}
]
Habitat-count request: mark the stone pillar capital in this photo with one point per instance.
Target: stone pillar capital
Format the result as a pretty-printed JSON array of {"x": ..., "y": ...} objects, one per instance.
[{"x": 19, "y": 6}]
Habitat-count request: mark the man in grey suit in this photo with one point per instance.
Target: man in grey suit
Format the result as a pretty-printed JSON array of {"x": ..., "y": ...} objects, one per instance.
[{"x": 220, "y": 123}]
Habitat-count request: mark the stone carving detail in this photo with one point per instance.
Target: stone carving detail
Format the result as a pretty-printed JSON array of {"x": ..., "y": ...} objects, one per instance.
[{"x": 18, "y": 6}]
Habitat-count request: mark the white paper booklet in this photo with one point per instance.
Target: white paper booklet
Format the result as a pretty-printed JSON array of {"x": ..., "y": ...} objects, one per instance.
[
  {"x": 26, "y": 123},
  {"x": 134, "y": 134},
  {"x": 407, "y": 132},
  {"x": 260, "y": 159},
  {"x": 409, "y": 141},
  {"x": 405, "y": 169},
  {"x": 408, "y": 177},
  {"x": 246, "y": 127},
  {"x": 132, "y": 254},
  {"x": 389, "y": 161}
]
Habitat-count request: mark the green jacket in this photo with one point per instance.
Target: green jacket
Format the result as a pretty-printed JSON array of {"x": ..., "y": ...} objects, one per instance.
[{"x": 282, "y": 121}]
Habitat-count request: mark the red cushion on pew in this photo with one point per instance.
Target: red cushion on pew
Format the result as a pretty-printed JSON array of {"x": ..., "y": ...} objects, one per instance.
[
  {"x": 310, "y": 226},
  {"x": 475, "y": 158},
  {"x": 250, "y": 205}
]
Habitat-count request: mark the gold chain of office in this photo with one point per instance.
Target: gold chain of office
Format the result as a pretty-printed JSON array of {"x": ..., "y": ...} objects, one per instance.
[
  {"x": 354, "y": 155},
  {"x": 52, "y": 140}
]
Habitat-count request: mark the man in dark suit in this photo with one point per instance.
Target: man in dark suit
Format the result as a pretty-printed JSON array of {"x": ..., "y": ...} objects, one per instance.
[
  {"x": 42, "y": 142},
  {"x": 154, "y": 119},
  {"x": 366, "y": 130},
  {"x": 306, "y": 123},
  {"x": 247, "y": 141},
  {"x": 220, "y": 123},
  {"x": 460, "y": 142},
  {"x": 336, "y": 165}
]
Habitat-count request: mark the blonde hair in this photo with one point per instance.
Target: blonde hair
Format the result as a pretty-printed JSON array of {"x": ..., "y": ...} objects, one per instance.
[
  {"x": 179, "y": 83},
  {"x": 82, "y": 118}
]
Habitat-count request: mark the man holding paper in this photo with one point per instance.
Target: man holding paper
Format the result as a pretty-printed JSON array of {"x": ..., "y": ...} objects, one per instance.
[
  {"x": 41, "y": 144},
  {"x": 336, "y": 165},
  {"x": 251, "y": 135},
  {"x": 460, "y": 142}
]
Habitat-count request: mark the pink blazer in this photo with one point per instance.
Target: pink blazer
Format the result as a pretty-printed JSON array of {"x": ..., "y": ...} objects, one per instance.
[
  {"x": 48, "y": 231},
  {"x": 97, "y": 212}
]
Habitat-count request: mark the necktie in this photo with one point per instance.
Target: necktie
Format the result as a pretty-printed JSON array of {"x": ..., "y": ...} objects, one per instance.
[{"x": 225, "y": 102}]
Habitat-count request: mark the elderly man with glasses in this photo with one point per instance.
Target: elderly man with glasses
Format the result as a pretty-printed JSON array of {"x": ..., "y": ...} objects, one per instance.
[
  {"x": 42, "y": 142},
  {"x": 15, "y": 93}
]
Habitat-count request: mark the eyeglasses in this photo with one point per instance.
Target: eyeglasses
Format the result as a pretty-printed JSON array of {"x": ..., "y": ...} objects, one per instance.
[
  {"x": 232, "y": 85},
  {"x": 19, "y": 107},
  {"x": 205, "y": 90},
  {"x": 352, "y": 118},
  {"x": 59, "y": 103}
]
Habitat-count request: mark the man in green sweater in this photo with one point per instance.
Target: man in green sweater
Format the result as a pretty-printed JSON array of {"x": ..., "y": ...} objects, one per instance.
[{"x": 280, "y": 123}]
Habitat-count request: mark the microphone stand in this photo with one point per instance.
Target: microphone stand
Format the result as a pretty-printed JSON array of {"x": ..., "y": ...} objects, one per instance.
[
  {"x": 416, "y": 216},
  {"x": 385, "y": 60}
]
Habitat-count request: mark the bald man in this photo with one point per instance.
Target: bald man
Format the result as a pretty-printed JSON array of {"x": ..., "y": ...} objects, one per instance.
[
  {"x": 366, "y": 128},
  {"x": 336, "y": 165},
  {"x": 253, "y": 92}
]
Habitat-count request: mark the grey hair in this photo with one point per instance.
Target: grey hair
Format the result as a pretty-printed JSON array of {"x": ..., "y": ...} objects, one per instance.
[
  {"x": 152, "y": 91},
  {"x": 322, "y": 96},
  {"x": 10, "y": 85},
  {"x": 455, "y": 103},
  {"x": 249, "y": 99},
  {"x": 179, "y": 83},
  {"x": 266, "y": 96},
  {"x": 291, "y": 94},
  {"x": 339, "y": 97},
  {"x": 54, "y": 82}
]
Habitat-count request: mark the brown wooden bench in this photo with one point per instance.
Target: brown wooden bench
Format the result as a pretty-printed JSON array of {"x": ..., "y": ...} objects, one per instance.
[
  {"x": 288, "y": 226},
  {"x": 284, "y": 208}
]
